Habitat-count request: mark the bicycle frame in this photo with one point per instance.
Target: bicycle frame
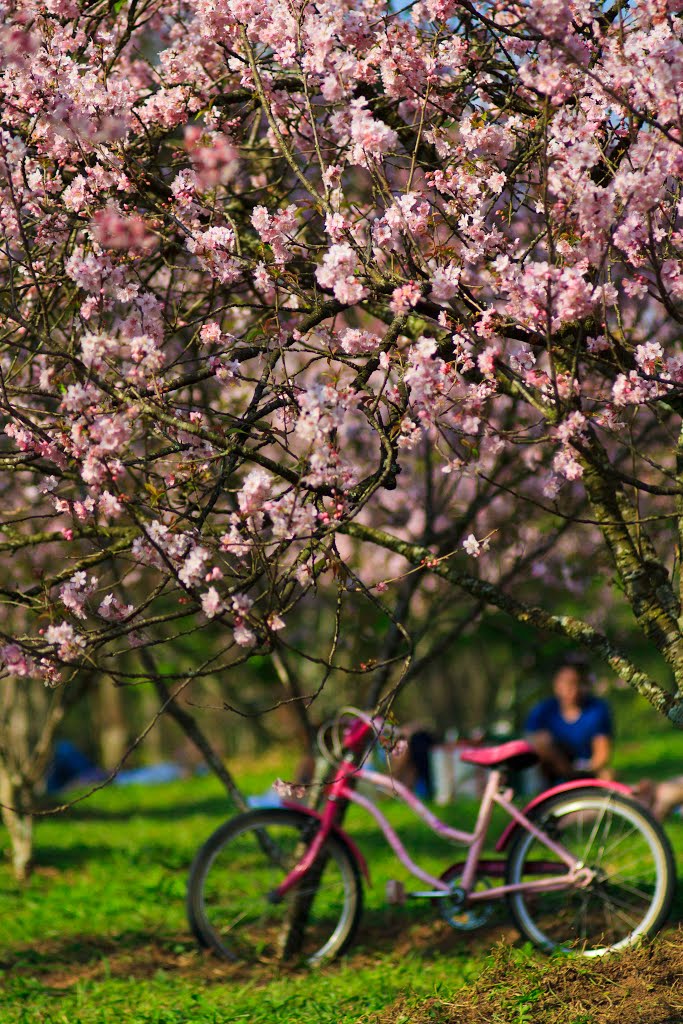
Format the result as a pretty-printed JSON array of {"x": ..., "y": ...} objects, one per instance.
[{"x": 341, "y": 789}]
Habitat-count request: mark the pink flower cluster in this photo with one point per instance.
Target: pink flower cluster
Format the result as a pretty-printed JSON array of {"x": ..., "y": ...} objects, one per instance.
[
  {"x": 338, "y": 274},
  {"x": 270, "y": 268}
]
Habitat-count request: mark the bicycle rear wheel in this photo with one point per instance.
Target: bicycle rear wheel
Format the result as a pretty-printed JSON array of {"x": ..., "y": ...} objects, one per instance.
[
  {"x": 238, "y": 867},
  {"x": 634, "y": 868}
]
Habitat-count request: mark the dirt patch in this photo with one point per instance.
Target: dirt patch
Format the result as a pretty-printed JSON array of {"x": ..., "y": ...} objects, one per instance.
[
  {"x": 62, "y": 962},
  {"x": 392, "y": 933},
  {"x": 59, "y": 965},
  {"x": 642, "y": 986}
]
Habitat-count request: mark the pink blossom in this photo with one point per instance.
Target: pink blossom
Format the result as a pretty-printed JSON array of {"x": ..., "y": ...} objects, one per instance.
[
  {"x": 75, "y": 593},
  {"x": 649, "y": 355},
  {"x": 215, "y": 158},
  {"x": 288, "y": 790},
  {"x": 184, "y": 186},
  {"x": 426, "y": 376},
  {"x": 303, "y": 575},
  {"x": 211, "y": 248},
  {"x": 290, "y": 517},
  {"x": 631, "y": 389},
  {"x": 445, "y": 282},
  {"x": 356, "y": 342},
  {"x": 254, "y": 491},
  {"x": 410, "y": 434},
  {"x": 109, "y": 505},
  {"x": 192, "y": 569},
  {"x": 574, "y": 425},
  {"x": 475, "y": 547},
  {"x": 486, "y": 360},
  {"x": 322, "y": 410},
  {"x": 113, "y": 609},
  {"x": 211, "y": 603},
  {"x": 409, "y": 213},
  {"x": 114, "y": 231},
  {"x": 16, "y": 661},
  {"x": 337, "y": 273},
  {"x": 208, "y": 272},
  {"x": 68, "y": 642},
  {"x": 405, "y": 297},
  {"x": 210, "y": 333},
  {"x": 241, "y": 603},
  {"x": 277, "y": 230},
  {"x": 370, "y": 138},
  {"x": 244, "y": 636},
  {"x": 567, "y": 465}
]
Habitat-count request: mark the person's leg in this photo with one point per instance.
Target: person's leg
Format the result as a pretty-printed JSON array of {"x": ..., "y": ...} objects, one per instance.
[
  {"x": 419, "y": 745},
  {"x": 667, "y": 795},
  {"x": 644, "y": 792}
]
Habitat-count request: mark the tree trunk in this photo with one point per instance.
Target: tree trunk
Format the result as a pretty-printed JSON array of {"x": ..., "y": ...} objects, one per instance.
[
  {"x": 18, "y": 821},
  {"x": 113, "y": 728},
  {"x": 190, "y": 727},
  {"x": 291, "y": 938}
]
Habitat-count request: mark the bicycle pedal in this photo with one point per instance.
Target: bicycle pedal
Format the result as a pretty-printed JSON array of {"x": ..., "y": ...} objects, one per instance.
[{"x": 395, "y": 892}]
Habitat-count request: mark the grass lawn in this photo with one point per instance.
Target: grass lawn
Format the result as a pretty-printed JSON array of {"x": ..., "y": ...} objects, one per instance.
[{"x": 99, "y": 935}]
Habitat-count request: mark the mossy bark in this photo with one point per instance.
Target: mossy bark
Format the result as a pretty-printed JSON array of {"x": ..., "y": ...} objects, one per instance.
[
  {"x": 643, "y": 576},
  {"x": 577, "y": 630}
]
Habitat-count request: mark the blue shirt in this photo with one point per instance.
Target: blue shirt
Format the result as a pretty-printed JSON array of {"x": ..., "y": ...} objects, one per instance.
[{"x": 575, "y": 738}]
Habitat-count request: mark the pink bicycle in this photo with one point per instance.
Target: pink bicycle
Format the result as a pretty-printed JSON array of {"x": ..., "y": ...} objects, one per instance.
[{"x": 586, "y": 869}]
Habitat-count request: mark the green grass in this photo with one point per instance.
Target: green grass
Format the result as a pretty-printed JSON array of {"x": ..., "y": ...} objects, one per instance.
[
  {"x": 107, "y": 901},
  {"x": 99, "y": 936}
]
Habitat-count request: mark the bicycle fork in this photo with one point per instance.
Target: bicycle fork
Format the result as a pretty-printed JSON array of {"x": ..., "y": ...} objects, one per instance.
[{"x": 338, "y": 792}]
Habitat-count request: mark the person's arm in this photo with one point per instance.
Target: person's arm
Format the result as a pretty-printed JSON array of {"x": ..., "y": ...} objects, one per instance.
[
  {"x": 601, "y": 754},
  {"x": 601, "y": 744},
  {"x": 400, "y": 762},
  {"x": 553, "y": 759},
  {"x": 554, "y": 762}
]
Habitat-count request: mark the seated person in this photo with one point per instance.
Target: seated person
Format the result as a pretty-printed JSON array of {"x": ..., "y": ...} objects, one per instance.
[
  {"x": 662, "y": 798},
  {"x": 411, "y": 763},
  {"x": 572, "y": 730},
  {"x": 70, "y": 767}
]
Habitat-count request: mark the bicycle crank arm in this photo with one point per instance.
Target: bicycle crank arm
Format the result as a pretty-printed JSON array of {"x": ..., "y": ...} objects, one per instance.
[{"x": 430, "y": 894}]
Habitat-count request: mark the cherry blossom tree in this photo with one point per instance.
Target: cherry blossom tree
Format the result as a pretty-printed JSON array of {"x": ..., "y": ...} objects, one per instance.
[{"x": 297, "y": 296}]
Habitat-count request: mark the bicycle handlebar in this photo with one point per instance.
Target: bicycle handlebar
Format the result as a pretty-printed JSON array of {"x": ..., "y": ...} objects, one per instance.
[{"x": 352, "y": 738}]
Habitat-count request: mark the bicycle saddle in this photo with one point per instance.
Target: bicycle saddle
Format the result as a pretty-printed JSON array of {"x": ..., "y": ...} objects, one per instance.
[{"x": 515, "y": 754}]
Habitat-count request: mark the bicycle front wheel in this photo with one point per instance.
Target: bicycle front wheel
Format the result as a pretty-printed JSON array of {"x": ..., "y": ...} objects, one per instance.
[
  {"x": 243, "y": 862},
  {"x": 634, "y": 874}
]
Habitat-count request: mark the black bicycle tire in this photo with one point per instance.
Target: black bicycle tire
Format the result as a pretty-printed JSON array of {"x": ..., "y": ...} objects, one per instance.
[
  {"x": 522, "y": 842},
  {"x": 335, "y": 845}
]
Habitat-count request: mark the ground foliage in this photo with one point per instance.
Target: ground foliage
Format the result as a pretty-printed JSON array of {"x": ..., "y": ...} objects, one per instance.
[
  {"x": 641, "y": 985},
  {"x": 98, "y": 934}
]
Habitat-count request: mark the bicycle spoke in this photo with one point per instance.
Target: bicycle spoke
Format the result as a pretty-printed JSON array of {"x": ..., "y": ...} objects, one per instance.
[
  {"x": 630, "y": 920},
  {"x": 238, "y": 868},
  {"x": 584, "y": 926},
  {"x": 627, "y": 835},
  {"x": 629, "y": 892},
  {"x": 593, "y": 834},
  {"x": 644, "y": 896}
]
